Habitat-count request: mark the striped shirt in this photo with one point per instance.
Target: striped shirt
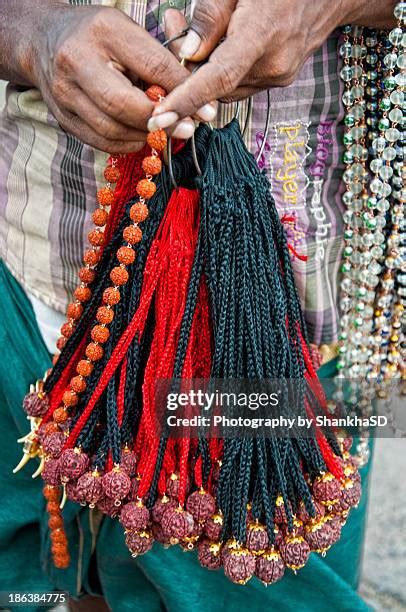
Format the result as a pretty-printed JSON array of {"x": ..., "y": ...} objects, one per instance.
[{"x": 48, "y": 179}]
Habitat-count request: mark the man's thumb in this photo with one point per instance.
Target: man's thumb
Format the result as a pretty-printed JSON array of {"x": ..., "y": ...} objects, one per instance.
[{"x": 209, "y": 24}]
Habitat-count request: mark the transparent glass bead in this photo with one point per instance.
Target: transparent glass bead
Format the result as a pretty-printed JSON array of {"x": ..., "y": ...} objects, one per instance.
[
  {"x": 400, "y": 11},
  {"x": 348, "y": 216},
  {"x": 348, "y": 176},
  {"x": 356, "y": 187},
  {"x": 346, "y": 73},
  {"x": 355, "y": 258},
  {"x": 376, "y": 165},
  {"x": 386, "y": 173},
  {"x": 358, "y": 111},
  {"x": 376, "y": 186},
  {"x": 348, "y": 197},
  {"x": 400, "y": 79},
  {"x": 396, "y": 115},
  {"x": 390, "y": 60},
  {"x": 389, "y": 154},
  {"x": 345, "y": 304},
  {"x": 358, "y": 51},
  {"x": 345, "y": 50},
  {"x": 358, "y": 132},
  {"x": 376, "y": 252},
  {"x": 357, "y": 91},
  {"x": 358, "y": 169},
  {"x": 392, "y": 135},
  {"x": 348, "y": 98},
  {"x": 374, "y": 268},
  {"x": 379, "y": 238},
  {"x": 346, "y": 285},
  {"x": 380, "y": 222},
  {"x": 401, "y": 62},
  {"x": 379, "y": 144},
  {"x": 368, "y": 240},
  {"x": 397, "y": 97},
  {"x": 395, "y": 36}
]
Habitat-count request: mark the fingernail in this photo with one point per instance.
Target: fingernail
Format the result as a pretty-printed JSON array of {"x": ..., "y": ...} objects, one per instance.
[
  {"x": 208, "y": 112},
  {"x": 164, "y": 120},
  {"x": 190, "y": 45},
  {"x": 184, "y": 130}
]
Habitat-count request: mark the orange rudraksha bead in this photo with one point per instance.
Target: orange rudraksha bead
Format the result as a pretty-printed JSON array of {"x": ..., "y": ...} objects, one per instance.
[
  {"x": 83, "y": 294},
  {"x": 100, "y": 217},
  {"x": 91, "y": 257},
  {"x": 50, "y": 427},
  {"x": 61, "y": 561},
  {"x": 100, "y": 334},
  {"x": 67, "y": 329},
  {"x": 111, "y": 296},
  {"x": 145, "y": 189},
  {"x": 55, "y": 522},
  {"x": 155, "y": 93},
  {"x": 152, "y": 165},
  {"x": 51, "y": 493},
  {"x": 75, "y": 311},
  {"x": 119, "y": 275},
  {"x": 58, "y": 536},
  {"x": 157, "y": 140},
  {"x": 111, "y": 174},
  {"x": 60, "y": 415},
  {"x": 60, "y": 343},
  {"x": 139, "y": 212},
  {"x": 126, "y": 255},
  {"x": 105, "y": 196},
  {"x": 104, "y": 315},
  {"x": 96, "y": 237},
  {"x": 94, "y": 351},
  {"x": 132, "y": 234},
  {"x": 70, "y": 398},
  {"x": 53, "y": 507},
  {"x": 78, "y": 384},
  {"x": 58, "y": 548},
  {"x": 84, "y": 368},
  {"x": 86, "y": 275}
]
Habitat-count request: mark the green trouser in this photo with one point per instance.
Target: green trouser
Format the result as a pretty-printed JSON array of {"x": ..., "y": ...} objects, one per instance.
[{"x": 161, "y": 580}]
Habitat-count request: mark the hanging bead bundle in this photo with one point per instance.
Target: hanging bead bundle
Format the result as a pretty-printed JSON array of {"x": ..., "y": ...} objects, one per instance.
[
  {"x": 372, "y": 303},
  {"x": 159, "y": 299}
]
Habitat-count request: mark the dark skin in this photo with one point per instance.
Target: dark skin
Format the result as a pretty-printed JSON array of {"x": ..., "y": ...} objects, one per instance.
[
  {"x": 87, "y": 62},
  {"x": 266, "y": 43}
]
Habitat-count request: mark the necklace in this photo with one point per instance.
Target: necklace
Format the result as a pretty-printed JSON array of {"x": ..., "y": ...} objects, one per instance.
[{"x": 372, "y": 299}]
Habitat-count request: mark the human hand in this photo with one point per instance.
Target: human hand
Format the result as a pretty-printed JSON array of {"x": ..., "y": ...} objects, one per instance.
[
  {"x": 87, "y": 61},
  {"x": 267, "y": 42}
]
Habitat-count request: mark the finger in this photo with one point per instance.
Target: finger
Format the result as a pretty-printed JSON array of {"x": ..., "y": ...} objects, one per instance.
[
  {"x": 221, "y": 76},
  {"x": 174, "y": 22},
  {"x": 183, "y": 129},
  {"x": 104, "y": 125},
  {"x": 114, "y": 94},
  {"x": 77, "y": 127},
  {"x": 209, "y": 24},
  {"x": 144, "y": 55}
]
